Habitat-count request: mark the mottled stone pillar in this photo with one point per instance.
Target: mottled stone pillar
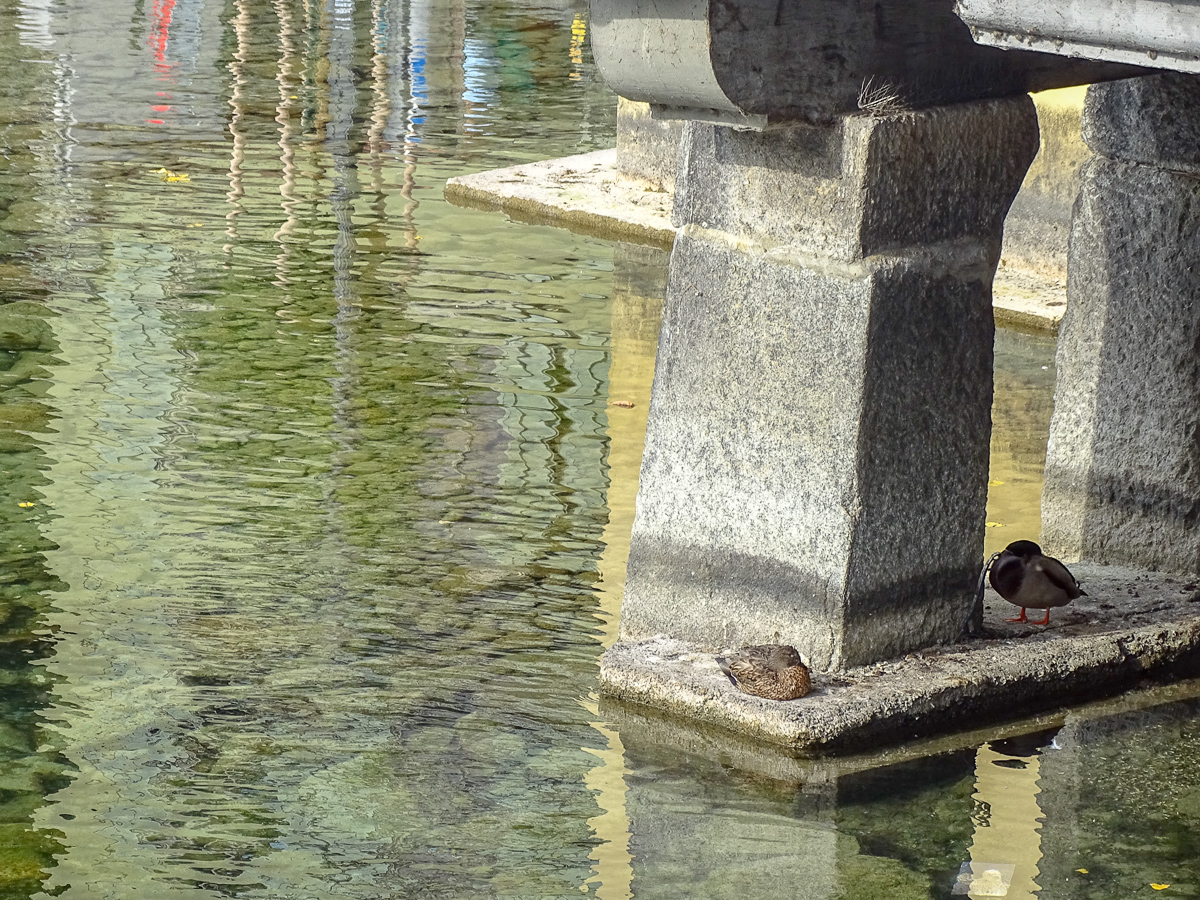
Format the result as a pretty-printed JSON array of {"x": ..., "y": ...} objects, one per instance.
[
  {"x": 1123, "y": 463},
  {"x": 817, "y": 451}
]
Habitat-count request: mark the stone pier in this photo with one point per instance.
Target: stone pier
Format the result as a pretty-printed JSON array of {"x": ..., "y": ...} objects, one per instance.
[
  {"x": 817, "y": 452},
  {"x": 1123, "y": 464}
]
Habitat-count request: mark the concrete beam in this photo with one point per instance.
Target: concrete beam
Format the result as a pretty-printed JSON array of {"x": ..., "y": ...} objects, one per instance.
[
  {"x": 753, "y": 63},
  {"x": 1161, "y": 34}
]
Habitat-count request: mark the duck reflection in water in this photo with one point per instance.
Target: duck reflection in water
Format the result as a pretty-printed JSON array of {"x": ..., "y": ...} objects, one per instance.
[
  {"x": 771, "y": 671},
  {"x": 1023, "y": 576}
]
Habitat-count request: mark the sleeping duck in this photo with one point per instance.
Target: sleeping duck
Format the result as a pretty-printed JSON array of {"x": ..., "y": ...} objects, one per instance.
[
  {"x": 1023, "y": 576},
  {"x": 772, "y": 671}
]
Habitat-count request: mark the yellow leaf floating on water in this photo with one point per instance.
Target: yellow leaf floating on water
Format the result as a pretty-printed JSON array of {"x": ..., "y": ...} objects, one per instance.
[
  {"x": 1081, "y": 871},
  {"x": 26, "y": 505},
  {"x": 995, "y": 483},
  {"x": 1159, "y": 887},
  {"x": 168, "y": 175},
  {"x": 995, "y": 524}
]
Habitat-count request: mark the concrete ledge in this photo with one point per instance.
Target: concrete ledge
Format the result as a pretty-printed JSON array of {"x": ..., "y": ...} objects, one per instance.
[
  {"x": 642, "y": 728},
  {"x": 584, "y": 193},
  {"x": 1027, "y": 302},
  {"x": 1135, "y": 625},
  {"x": 588, "y": 195}
]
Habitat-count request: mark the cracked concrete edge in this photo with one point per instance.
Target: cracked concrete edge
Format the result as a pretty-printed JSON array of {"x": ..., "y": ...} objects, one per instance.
[
  {"x": 934, "y": 692},
  {"x": 586, "y": 194}
]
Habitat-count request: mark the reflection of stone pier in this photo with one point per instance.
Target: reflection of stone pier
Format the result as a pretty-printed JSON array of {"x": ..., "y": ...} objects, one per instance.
[
  {"x": 766, "y": 823},
  {"x": 1037, "y": 802},
  {"x": 1103, "y": 825},
  {"x": 636, "y": 312}
]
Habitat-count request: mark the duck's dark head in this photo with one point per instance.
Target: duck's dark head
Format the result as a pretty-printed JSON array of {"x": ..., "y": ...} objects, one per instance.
[
  {"x": 1024, "y": 549},
  {"x": 783, "y": 657}
]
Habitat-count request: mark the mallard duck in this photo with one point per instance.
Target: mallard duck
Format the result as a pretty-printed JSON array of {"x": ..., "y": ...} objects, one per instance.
[
  {"x": 773, "y": 671},
  {"x": 1023, "y": 576}
]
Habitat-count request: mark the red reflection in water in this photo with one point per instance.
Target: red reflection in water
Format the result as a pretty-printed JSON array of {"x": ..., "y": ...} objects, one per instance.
[
  {"x": 160, "y": 27},
  {"x": 160, "y": 34}
]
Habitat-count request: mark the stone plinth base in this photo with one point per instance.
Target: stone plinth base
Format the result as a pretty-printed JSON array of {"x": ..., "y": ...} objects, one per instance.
[{"x": 1134, "y": 625}]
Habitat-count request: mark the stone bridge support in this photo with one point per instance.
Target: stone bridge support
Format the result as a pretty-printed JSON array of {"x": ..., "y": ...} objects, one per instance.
[
  {"x": 816, "y": 457},
  {"x": 1123, "y": 463},
  {"x": 817, "y": 452}
]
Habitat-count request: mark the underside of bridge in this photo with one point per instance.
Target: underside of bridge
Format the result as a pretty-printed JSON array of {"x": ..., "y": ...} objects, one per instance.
[{"x": 816, "y": 458}]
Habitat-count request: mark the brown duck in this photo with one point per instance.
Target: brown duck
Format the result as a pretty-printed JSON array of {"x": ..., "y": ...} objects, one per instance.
[
  {"x": 773, "y": 671},
  {"x": 1023, "y": 576}
]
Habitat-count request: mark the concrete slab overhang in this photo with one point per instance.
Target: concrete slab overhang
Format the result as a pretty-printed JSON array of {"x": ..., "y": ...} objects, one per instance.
[
  {"x": 754, "y": 63},
  {"x": 1162, "y": 34}
]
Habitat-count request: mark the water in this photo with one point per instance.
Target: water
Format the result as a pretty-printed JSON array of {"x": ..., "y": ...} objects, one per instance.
[{"x": 315, "y": 508}]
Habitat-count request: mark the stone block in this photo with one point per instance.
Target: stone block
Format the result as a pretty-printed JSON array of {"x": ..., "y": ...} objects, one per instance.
[
  {"x": 1038, "y": 226},
  {"x": 870, "y": 186},
  {"x": 1123, "y": 462},
  {"x": 1147, "y": 120},
  {"x": 816, "y": 461},
  {"x": 647, "y": 148}
]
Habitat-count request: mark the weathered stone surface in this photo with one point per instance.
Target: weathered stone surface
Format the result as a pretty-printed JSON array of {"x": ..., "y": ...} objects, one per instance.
[
  {"x": 803, "y": 427},
  {"x": 647, "y": 148},
  {"x": 1133, "y": 625},
  {"x": 816, "y": 457},
  {"x": 1038, "y": 225},
  {"x": 1148, "y": 120},
  {"x": 1123, "y": 463},
  {"x": 585, "y": 193},
  {"x": 872, "y": 185}
]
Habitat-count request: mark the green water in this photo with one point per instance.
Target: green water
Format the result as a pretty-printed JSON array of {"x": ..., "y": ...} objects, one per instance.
[{"x": 313, "y": 506}]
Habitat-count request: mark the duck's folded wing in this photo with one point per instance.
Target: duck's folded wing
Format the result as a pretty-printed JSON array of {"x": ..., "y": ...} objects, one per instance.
[{"x": 1058, "y": 575}]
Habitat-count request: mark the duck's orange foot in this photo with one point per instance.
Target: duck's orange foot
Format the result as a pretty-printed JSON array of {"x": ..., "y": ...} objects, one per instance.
[
  {"x": 1045, "y": 621},
  {"x": 1021, "y": 617}
]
